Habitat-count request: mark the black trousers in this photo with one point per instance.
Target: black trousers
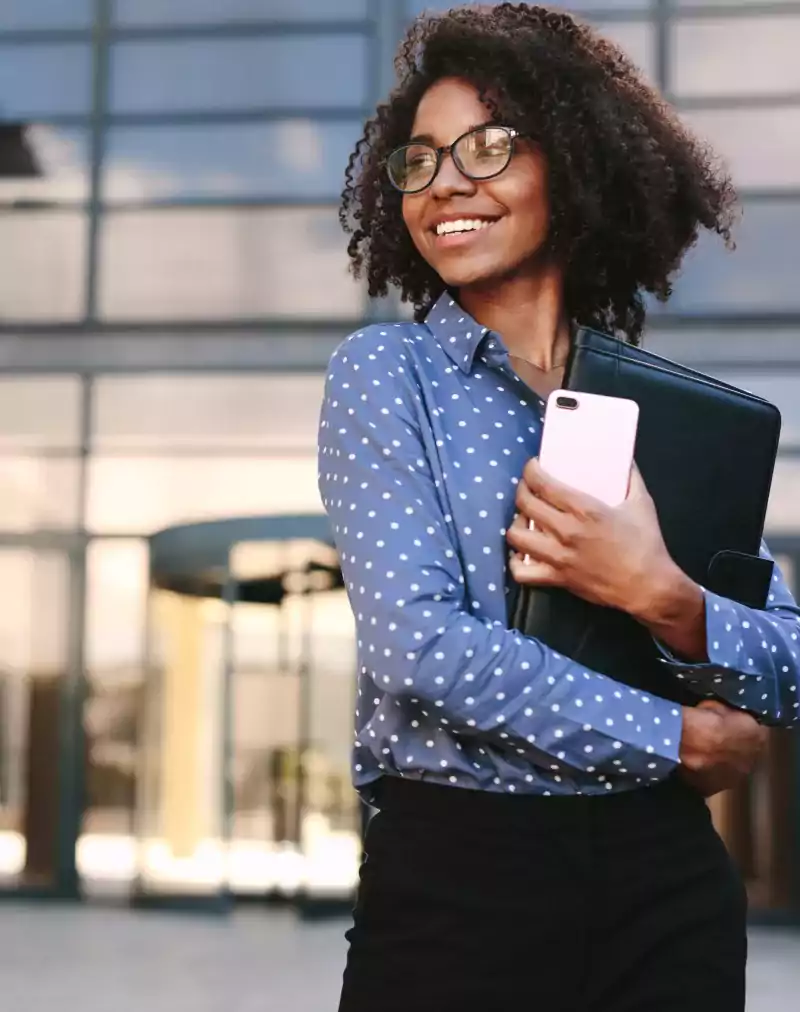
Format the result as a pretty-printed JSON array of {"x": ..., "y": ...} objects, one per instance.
[{"x": 474, "y": 902}]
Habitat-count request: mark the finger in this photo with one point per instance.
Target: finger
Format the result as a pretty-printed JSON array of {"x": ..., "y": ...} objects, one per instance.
[
  {"x": 544, "y": 515},
  {"x": 557, "y": 494},
  {"x": 532, "y": 573},
  {"x": 541, "y": 547},
  {"x": 636, "y": 486}
]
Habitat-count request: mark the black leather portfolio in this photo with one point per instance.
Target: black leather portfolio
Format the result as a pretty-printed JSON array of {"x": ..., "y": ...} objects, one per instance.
[{"x": 706, "y": 451}]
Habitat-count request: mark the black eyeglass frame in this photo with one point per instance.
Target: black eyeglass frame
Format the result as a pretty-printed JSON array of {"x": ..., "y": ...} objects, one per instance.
[{"x": 448, "y": 149}]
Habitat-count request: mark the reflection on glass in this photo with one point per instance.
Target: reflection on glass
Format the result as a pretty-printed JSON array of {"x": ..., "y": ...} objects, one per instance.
[
  {"x": 225, "y": 263},
  {"x": 117, "y": 577},
  {"x": 44, "y": 279},
  {"x": 37, "y": 81},
  {"x": 33, "y": 660},
  {"x": 735, "y": 56},
  {"x": 760, "y": 275},
  {"x": 637, "y": 39},
  {"x": 761, "y": 147},
  {"x": 38, "y": 493},
  {"x": 783, "y": 515},
  {"x": 197, "y": 74},
  {"x": 781, "y": 389},
  {"x": 180, "y": 801},
  {"x": 175, "y": 12},
  {"x": 41, "y": 412},
  {"x": 295, "y": 820},
  {"x": 62, "y": 159},
  {"x": 144, "y": 494},
  {"x": 233, "y": 412},
  {"x": 297, "y": 158},
  {"x": 23, "y": 14}
]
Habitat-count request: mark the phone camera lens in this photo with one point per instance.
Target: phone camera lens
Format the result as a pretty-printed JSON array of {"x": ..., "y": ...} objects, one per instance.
[{"x": 568, "y": 403}]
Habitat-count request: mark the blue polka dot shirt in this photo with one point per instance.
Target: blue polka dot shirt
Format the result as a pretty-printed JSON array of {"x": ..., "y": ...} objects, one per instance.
[{"x": 424, "y": 433}]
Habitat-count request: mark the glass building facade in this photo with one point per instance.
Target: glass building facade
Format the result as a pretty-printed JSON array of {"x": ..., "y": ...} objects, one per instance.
[{"x": 173, "y": 282}]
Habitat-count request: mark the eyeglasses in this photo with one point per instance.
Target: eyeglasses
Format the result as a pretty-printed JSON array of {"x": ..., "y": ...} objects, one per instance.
[{"x": 478, "y": 154}]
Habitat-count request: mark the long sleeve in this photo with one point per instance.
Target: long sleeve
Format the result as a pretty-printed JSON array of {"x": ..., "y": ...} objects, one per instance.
[
  {"x": 752, "y": 655},
  {"x": 417, "y": 637}
]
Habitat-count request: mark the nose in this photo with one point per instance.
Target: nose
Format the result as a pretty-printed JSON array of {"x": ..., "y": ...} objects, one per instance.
[{"x": 449, "y": 181}]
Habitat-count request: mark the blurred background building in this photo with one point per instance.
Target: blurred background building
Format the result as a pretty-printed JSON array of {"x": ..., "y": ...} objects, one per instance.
[{"x": 175, "y": 699}]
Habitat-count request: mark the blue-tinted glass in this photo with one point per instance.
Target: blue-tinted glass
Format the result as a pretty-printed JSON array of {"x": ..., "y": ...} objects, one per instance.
[
  {"x": 761, "y": 146},
  {"x": 225, "y": 263},
  {"x": 160, "y": 12},
  {"x": 754, "y": 55},
  {"x": 414, "y": 7},
  {"x": 21, "y": 14},
  {"x": 297, "y": 157},
  {"x": 44, "y": 279},
  {"x": 759, "y": 276},
  {"x": 201, "y": 74},
  {"x": 40, "y": 81},
  {"x": 62, "y": 158}
]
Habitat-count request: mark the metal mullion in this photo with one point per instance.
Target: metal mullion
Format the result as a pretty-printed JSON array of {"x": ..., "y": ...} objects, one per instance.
[
  {"x": 238, "y": 29},
  {"x": 317, "y": 203},
  {"x": 208, "y": 117},
  {"x": 723, "y": 12},
  {"x": 46, "y": 36},
  {"x": 710, "y": 103},
  {"x": 100, "y": 82}
]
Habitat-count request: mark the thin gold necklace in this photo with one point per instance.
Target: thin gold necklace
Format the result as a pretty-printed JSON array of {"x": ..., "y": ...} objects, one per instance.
[{"x": 553, "y": 368}]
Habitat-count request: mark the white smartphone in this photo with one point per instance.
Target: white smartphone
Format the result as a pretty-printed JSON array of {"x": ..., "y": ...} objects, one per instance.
[{"x": 588, "y": 443}]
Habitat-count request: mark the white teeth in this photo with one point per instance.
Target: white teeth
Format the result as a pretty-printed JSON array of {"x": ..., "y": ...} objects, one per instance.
[{"x": 462, "y": 225}]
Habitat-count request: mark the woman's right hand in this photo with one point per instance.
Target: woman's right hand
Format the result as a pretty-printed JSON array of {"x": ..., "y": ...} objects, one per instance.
[{"x": 720, "y": 746}]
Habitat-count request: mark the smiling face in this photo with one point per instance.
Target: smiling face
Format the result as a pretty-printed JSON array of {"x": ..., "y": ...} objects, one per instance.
[{"x": 473, "y": 233}]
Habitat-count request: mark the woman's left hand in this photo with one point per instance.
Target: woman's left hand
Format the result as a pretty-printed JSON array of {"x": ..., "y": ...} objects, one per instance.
[{"x": 613, "y": 556}]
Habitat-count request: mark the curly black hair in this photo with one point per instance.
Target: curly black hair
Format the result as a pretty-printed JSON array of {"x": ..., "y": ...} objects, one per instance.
[{"x": 629, "y": 185}]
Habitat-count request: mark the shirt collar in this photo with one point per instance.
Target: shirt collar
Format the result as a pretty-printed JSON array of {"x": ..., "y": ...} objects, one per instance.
[{"x": 456, "y": 331}]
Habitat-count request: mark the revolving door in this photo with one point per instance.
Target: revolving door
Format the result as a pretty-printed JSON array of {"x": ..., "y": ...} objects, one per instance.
[{"x": 247, "y": 723}]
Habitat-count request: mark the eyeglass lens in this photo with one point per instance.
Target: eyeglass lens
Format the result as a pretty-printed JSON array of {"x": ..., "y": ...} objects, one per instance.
[{"x": 479, "y": 154}]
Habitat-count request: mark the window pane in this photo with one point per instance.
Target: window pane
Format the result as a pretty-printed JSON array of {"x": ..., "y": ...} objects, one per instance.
[
  {"x": 41, "y": 412},
  {"x": 736, "y": 56},
  {"x": 38, "y": 493},
  {"x": 16, "y": 14},
  {"x": 34, "y": 658},
  {"x": 38, "y": 81},
  {"x": 761, "y": 146},
  {"x": 196, "y": 74},
  {"x": 62, "y": 157},
  {"x": 783, "y": 515},
  {"x": 174, "y": 12},
  {"x": 225, "y": 263},
  {"x": 145, "y": 494},
  {"x": 117, "y": 580},
  {"x": 760, "y": 275},
  {"x": 187, "y": 412},
  {"x": 637, "y": 39},
  {"x": 299, "y": 157},
  {"x": 44, "y": 279},
  {"x": 780, "y": 389}
]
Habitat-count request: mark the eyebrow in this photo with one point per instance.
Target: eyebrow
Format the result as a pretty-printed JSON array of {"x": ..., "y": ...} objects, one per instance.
[{"x": 429, "y": 139}]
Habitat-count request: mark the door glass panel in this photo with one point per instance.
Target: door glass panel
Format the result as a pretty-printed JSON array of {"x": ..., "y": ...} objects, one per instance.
[
  {"x": 34, "y": 658},
  {"x": 179, "y": 800},
  {"x": 295, "y": 823},
  {"x": 117, "y": 574}
]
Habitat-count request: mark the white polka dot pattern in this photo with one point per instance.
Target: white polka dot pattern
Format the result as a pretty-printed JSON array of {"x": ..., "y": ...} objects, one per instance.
[
  {"x": 424, "y": 432},
  {"x": 753, "y": 655}
]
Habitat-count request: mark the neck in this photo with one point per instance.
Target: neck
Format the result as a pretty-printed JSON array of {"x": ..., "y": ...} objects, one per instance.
[{"x": 528, "y": 312}]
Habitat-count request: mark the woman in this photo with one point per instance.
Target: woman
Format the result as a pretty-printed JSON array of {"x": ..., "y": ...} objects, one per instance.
[{"x": 542, "y": 840}]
